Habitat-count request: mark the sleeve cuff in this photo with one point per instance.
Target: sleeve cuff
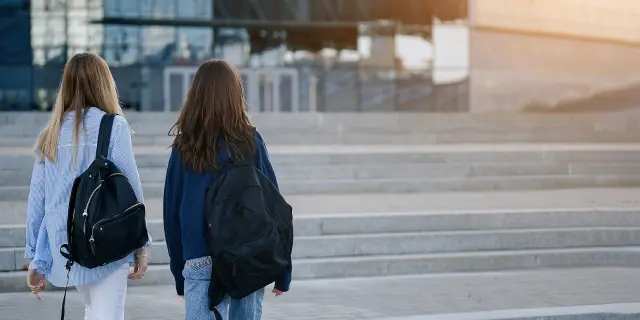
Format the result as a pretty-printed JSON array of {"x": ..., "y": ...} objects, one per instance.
[
  {"x": 41, "y": 267},
  {"x": 149, "y": 242},
  {"x": 284, "y": 283},
  {"x": 180, "y": 287},
  {"x": 29, "y": 254}
]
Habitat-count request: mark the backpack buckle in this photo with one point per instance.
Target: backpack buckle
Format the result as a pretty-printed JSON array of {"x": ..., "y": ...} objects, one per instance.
[{"x": 69, "y": 264}]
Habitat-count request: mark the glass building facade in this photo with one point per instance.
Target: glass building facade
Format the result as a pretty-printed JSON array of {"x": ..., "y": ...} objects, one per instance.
[
  {"x": 151, "y": 36},
  {"x": 15, "y": 55},
  {"x": 40, "y": 35}
]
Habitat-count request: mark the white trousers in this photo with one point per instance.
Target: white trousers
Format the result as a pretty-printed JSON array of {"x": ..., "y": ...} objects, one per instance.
[{"x": 104, "y": 300}]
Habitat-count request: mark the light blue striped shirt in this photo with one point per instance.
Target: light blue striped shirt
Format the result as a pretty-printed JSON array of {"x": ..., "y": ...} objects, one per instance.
[{"x": 49, "y": 197}]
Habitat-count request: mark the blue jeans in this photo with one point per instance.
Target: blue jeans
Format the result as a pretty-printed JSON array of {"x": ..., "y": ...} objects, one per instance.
[{"x": 197, "y": 275}]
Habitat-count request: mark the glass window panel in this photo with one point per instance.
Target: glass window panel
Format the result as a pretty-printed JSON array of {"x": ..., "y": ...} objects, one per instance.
[
  {"x": 122, "y": 8},
  {"x": 195, "y": 43},
  {"x": 158, "y": 8},
  {"x": 195, "y": 9},
  {"x": 158, "y": 43},
  {"x": 122, "y": 44},
  {"x": 112, "y": 7},
  {"x": 48, "y": 29},
  {"x": 38, "y": 5}
]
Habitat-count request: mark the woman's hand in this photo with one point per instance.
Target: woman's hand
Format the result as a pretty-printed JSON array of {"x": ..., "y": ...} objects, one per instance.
[
  {"x": 36, "y": 282},
  {"x": 277, "y": 292},
  {"x": 140, "y": 265}
]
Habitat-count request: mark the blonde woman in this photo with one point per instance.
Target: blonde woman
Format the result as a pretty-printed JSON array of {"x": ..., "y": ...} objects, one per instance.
[{"x": 64, "y": 150}]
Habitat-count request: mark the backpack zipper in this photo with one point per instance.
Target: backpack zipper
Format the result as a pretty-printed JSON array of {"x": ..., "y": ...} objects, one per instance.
[
  {"x": 85, "y": 213},
  {"x": 93, "y": 229}
]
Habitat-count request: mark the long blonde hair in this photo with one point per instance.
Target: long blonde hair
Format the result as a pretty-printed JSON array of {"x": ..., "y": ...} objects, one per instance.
[{"x": 86, "y": 82}]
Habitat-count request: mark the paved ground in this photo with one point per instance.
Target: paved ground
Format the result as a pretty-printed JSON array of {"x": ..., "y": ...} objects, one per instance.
[
  {"x": 380, "y": 298},
  {"x": 13, "y": 212}
]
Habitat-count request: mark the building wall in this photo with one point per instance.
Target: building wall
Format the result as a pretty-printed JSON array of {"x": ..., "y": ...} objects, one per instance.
[
  {"x": 582, "y": 51},
  {"x": 605, "y": 19}
]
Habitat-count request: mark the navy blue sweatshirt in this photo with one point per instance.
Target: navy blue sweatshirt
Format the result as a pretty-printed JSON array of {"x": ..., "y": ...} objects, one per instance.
[{"x": 184, "y": 216}]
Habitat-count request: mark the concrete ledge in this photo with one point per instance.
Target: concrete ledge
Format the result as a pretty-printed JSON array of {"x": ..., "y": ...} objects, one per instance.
[
  {"x": 415, "y": 243},
  {"x": 340, "y": 186},
  {"x": 306, "y": 139},
  {"x": 619, "y": 311},
  {"x": 465, "y": 262},
  {"x": 13, "y": 236},
  {"x": 388, "y": 171},
  {"x": 414, "y": 264},
  {"x": 375, "y": 119},
  {"x": 154, "y": 156},
  {"x": 404, "y": 171}
]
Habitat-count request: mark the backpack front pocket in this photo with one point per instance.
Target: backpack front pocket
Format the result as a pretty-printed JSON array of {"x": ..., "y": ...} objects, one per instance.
[{"x": 115, "y": 238}]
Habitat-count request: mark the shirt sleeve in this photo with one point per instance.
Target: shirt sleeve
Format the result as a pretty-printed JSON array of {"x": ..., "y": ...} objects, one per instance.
[
  {"x": 35, "y": 208},
  {"x": 42, "y": 260},
  {"x": 171, "y": 219},
  {"x": 121, "y": 154}
]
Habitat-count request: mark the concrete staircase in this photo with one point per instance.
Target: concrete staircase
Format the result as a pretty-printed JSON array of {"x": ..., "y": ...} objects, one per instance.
[
  {"x": 400, "y": 169},
  {"x": 364, "y": 208},
  {"x": 365, "y": 245},
  {"x": 20, "y": 129}
]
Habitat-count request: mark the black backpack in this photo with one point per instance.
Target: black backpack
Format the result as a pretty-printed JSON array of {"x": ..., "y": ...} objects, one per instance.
[
  {"x": 250, "y": 232},
  {"x": 106, "y": 222}
]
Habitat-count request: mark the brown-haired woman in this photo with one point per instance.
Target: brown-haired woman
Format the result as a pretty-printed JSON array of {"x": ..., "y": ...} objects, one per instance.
[
  {"x": 213, "y": 127},
  {"x": 65, "y": 149}
]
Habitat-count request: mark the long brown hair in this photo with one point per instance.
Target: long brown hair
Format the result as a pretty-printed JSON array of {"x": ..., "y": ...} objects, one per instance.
[
  {"x": 213, "y": 112},
  {"x": 86, "y": 82}
]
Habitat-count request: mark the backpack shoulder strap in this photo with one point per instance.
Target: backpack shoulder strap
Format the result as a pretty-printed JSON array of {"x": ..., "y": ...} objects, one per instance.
[{"x": 104, "y": 135}]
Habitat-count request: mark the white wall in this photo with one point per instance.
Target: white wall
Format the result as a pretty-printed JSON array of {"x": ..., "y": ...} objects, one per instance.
[
  {"x": 511, "y": 70},
  {"x": 609, "y": 19},
  {"x": 451, "y": 52}
]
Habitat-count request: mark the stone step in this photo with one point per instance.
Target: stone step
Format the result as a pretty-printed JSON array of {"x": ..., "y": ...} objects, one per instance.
[
  {"x": 611, "y": 311},
  {"x": 11, "y": 259},
  {"x": 465, "y": 262},
  {"x": 370, "y": 266},
  {"x": 289, "y": 155},
  {"x": 13, "y": 235},
  {"x": 161, "y": 129},
  {"x": 285, "y": 123},
  {"x": 152, "y": 128},
  {"x": 407, "y": 185},
  {"x": 384, "y": 138},
  {"x": 512, "y": 201},
  {"x": 404, "y": 171},
  {"x": 358, "y": 172},
  {"x": 377, "y": 128},
  {"x": 161, "y": 122},
  {"x": 423, "y": 171}
]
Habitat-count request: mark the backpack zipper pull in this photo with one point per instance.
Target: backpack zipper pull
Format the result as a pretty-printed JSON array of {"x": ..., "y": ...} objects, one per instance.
[
  {"x": 84, "y": 226},
  {"x": 234, "y": 270},
  {"x": 92, "y": 243}
]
